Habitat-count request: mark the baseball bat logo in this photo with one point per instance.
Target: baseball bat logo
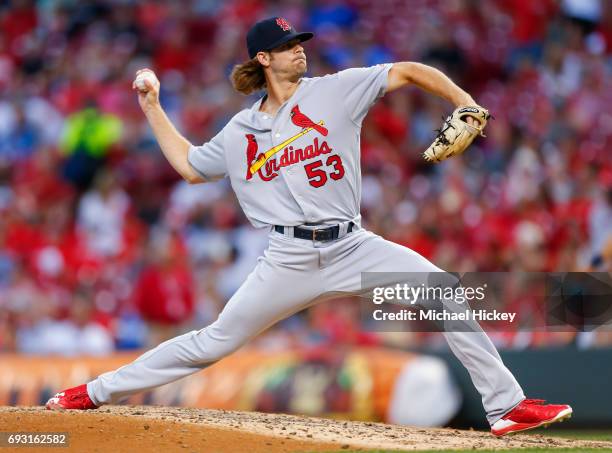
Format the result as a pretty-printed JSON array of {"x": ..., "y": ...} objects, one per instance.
[
  {"x": 298, "y": 118},
  {"x": 251, "y": 155}
]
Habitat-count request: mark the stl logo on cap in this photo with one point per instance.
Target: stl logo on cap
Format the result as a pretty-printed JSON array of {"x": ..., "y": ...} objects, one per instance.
[{"x": 282, "y": 23}]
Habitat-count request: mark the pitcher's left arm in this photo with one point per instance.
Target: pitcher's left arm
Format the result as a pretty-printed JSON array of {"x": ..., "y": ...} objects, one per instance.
[{"x": 429, "y": 79}]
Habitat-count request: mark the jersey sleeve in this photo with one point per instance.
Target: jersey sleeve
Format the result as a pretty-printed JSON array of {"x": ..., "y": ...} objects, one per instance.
[
  {"x": 361, "y": 87},
  {"x": 208, "y": 160}
]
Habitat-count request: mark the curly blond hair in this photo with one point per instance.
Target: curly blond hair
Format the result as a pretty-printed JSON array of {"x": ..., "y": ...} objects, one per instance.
[{"x": 248, "y": 77}]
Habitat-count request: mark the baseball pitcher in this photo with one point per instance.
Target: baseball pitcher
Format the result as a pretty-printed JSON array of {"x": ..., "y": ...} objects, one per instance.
[{"x": 293, "y": 160}]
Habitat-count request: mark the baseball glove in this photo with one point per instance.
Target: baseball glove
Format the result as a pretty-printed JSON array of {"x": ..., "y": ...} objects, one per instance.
[{"x": 456, "y": 135}]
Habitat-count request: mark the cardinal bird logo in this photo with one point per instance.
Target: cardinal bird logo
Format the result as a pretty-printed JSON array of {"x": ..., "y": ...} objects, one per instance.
[
  {"x": 301, "y": 120},
  {"x": 267, "y": 165},
  {"x": 282, "y": 23},
  {"x": 251, "y": 153}
]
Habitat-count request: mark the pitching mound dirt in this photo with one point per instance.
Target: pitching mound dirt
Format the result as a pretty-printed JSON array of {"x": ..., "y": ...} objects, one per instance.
[{"x": 145, "y": 428}]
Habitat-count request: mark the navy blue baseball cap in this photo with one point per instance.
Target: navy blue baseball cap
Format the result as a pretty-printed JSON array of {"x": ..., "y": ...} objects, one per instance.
[{"x": 270, "y": 33}]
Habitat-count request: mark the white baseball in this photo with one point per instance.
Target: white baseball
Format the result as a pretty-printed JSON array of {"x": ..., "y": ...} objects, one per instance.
[{"x": 145, "y": 75}]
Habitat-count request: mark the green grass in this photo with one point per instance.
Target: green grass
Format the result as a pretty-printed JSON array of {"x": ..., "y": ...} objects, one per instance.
[
  {"x": 512, "y": 450},
  {"x": 604, "y": 435}
]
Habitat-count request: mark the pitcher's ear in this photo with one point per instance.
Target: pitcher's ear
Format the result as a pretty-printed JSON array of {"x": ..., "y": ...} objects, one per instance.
[{"x": 264, "y": 58}]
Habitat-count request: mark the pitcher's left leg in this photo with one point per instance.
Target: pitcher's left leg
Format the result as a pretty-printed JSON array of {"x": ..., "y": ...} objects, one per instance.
[{"x": 499, "y": 389}]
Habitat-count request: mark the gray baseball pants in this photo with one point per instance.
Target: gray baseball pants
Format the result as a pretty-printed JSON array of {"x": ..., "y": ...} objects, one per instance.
[{"x": 292, "y": 275}]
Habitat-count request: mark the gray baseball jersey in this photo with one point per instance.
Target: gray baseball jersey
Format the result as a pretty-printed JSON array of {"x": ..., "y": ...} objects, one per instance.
[
  {"x": 312, "y": 174},
  {"x": 302, "y": 166}
]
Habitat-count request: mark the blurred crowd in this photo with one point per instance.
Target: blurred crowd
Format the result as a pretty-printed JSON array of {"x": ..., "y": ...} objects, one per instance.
[{"x": 103, "y": 247}]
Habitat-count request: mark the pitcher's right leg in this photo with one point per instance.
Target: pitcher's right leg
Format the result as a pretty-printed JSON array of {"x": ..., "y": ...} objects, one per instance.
[{"x": 272, "y": 292}]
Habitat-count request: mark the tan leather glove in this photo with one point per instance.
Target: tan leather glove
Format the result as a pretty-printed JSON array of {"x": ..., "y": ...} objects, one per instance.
[{"x": 456, "y": 134}]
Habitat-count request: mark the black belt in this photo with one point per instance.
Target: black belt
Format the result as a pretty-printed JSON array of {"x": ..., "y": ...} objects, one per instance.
[{"x": 316, "y": 234}]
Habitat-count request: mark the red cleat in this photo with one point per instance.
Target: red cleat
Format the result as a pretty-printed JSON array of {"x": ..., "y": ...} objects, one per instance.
[
  {"x": 530, "y": 414},
  {"x": 74, "y": 398}
]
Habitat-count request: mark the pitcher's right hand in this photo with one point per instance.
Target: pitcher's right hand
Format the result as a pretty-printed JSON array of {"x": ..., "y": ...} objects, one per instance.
[{"x": 146, "y": 85}]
